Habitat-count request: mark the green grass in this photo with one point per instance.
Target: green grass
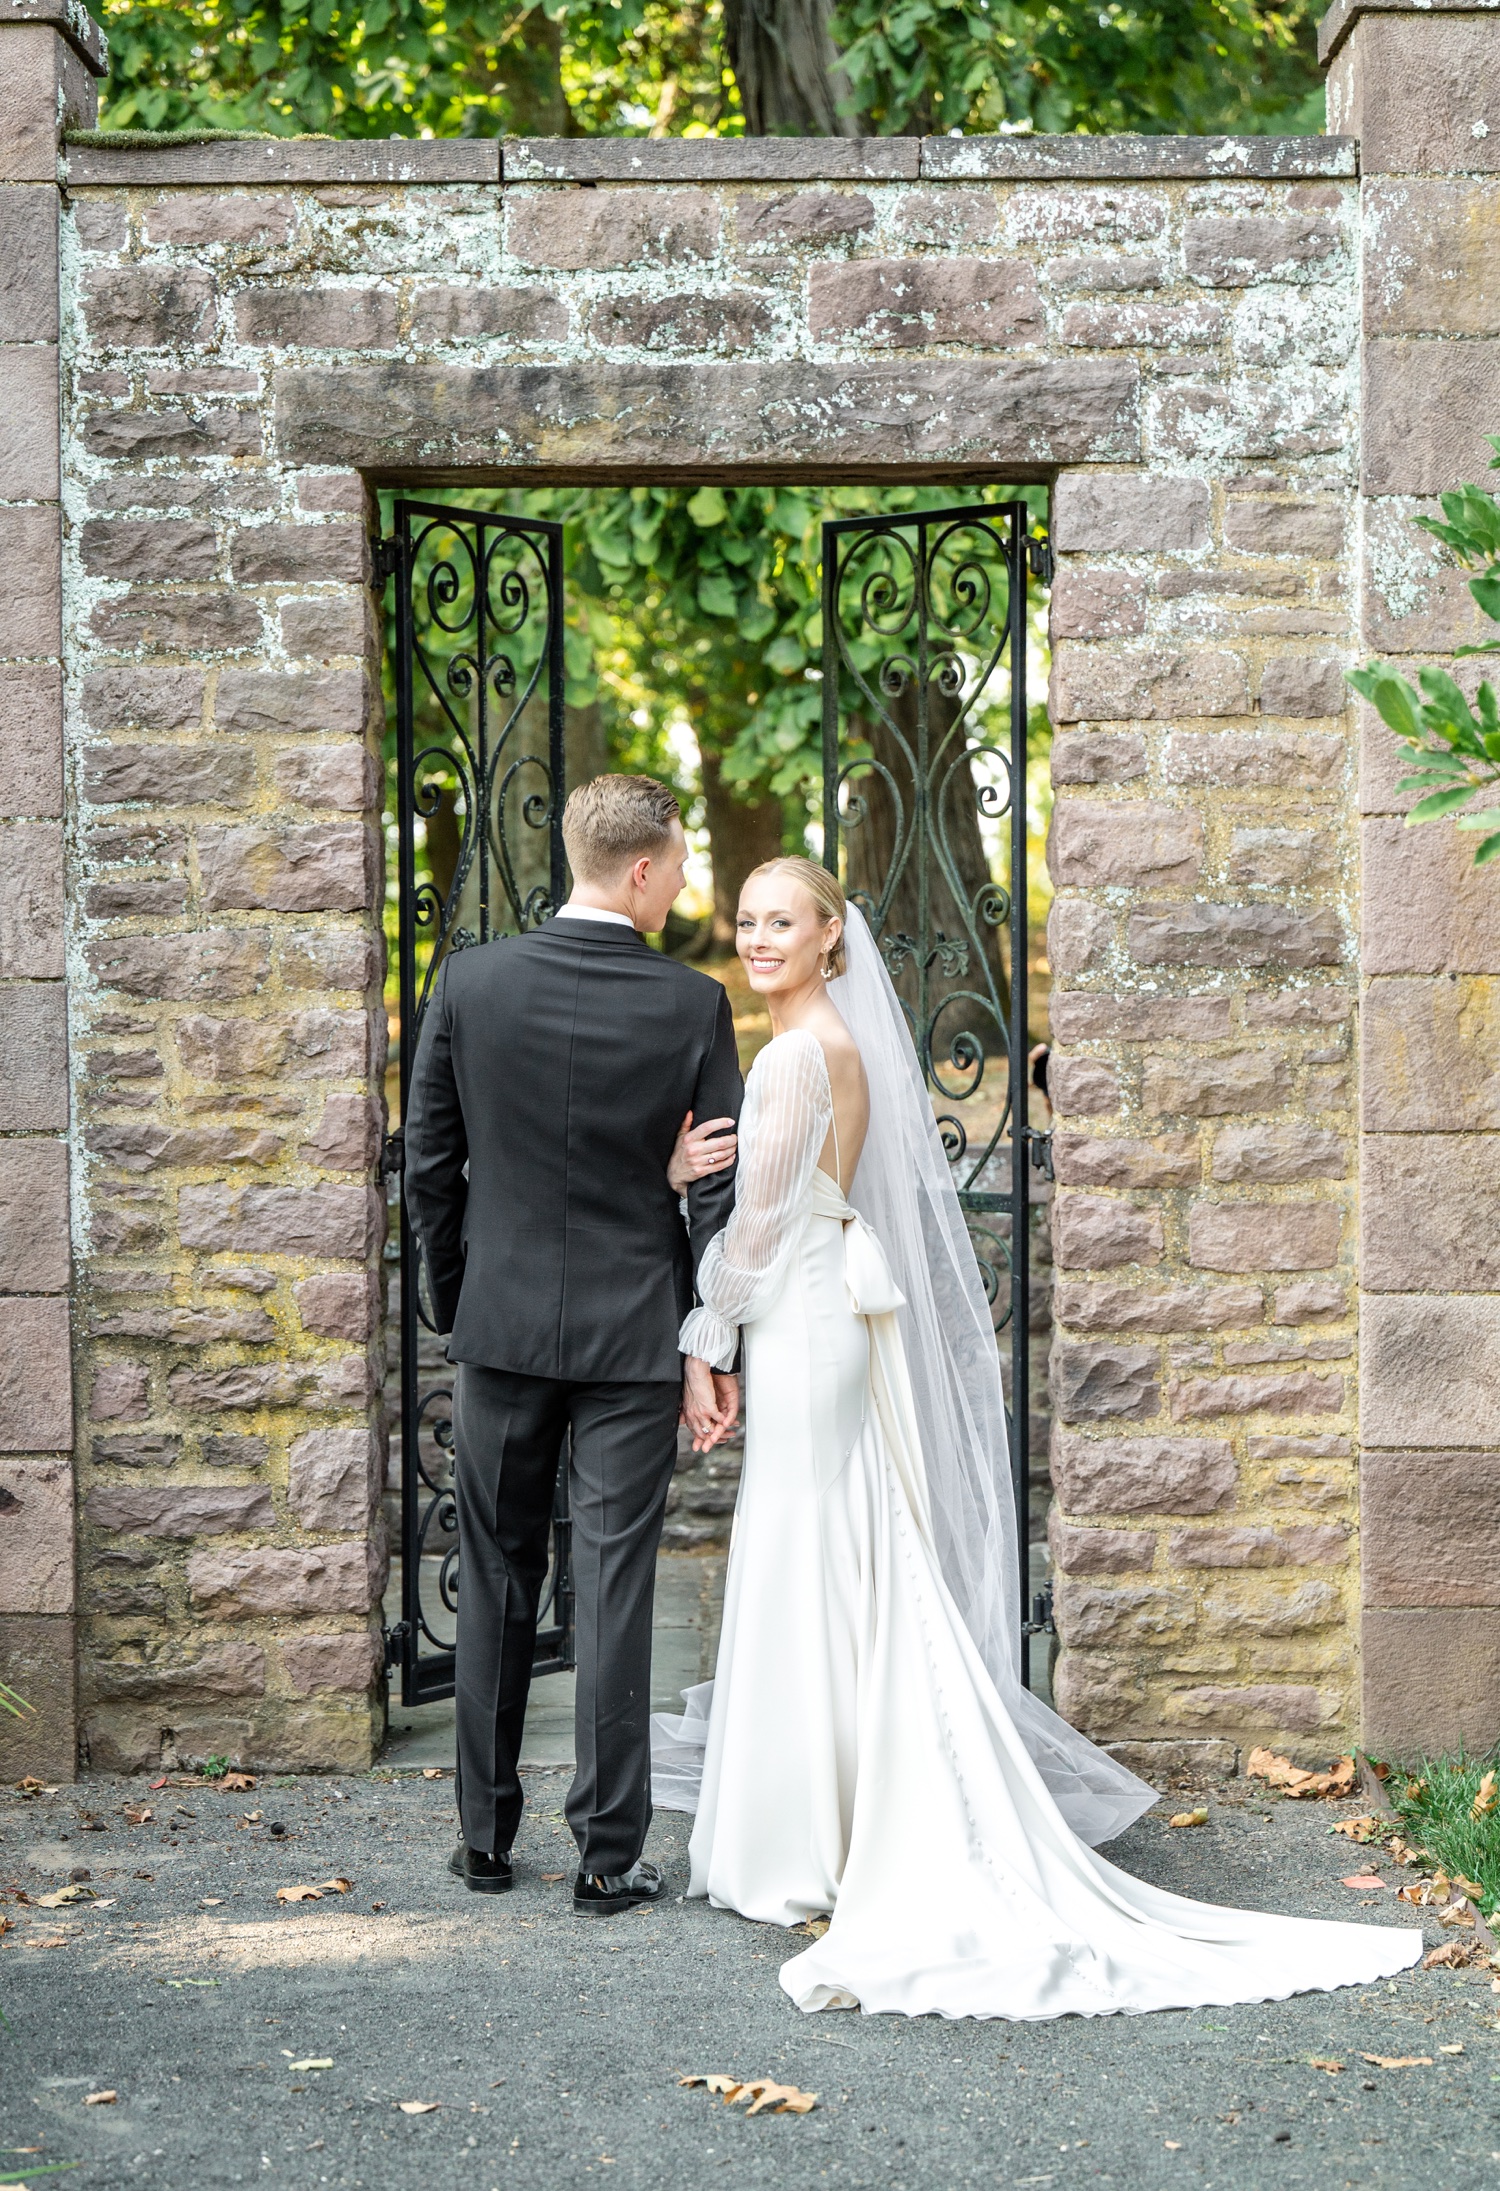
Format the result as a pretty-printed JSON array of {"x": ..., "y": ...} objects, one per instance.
[{"x": 1433, "y": 1802}]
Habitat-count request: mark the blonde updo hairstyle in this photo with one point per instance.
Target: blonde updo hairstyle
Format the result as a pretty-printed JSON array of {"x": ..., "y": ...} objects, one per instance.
[{"x": 824, "y": 891}]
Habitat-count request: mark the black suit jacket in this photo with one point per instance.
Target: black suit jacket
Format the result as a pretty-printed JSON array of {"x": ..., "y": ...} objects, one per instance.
[{"x": 557, "y": 1065}]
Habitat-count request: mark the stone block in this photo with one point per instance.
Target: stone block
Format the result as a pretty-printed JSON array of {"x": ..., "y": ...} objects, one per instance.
[
  {"x": 1255, "y": 760},
  {"x": 795, "y": 218},
  {"x": 1437, "y": 83},
  {"x": 34, "y": 1245},
  {"x": 287, "y": 554},
  {"x": 1428, "y": 407},
  {"x": 1128, "y": 513},
  {"x": 182, "y": 1510},
  {"x": 1200, "y": 933},
  {"x": 209, "y": 964},
  {"x": 1312, "y": 1300},
  {"x": 1233, "y": 253},
  {"x": 1090, "y": 1015},
  {"x": 1429, "y": 1209},
  {"x": 1312, "y": 1007},
  {"x": 229, "y": 1670},
  {"x": 347, "y": 1138},
  {"x": 472, "y": 311},
  {"x": 1082, "y": 1087},
  {"x": 1430, "y": 1055},
  {"x": 171, "y": 432},
  {"x": 1142, "y": 1475},
  {"x": 1430, "y": 1680},
  {"x": 320, "y": 1220},
  {"x": 721, "y": 325},
  {"x": 1303, "y": 525},
  {"x": 143, "y": 699},
  {"x": 36, "y": 1376},
  {"x": 1095, "y": 1695},
  {"x": 1097, "y": 1232},
  {"x": 120, "y": 1392},
  {"x": 1098, "y": 1551},
  {"x": 335, "y": 1477},
  {"x": 1296, "y": 684},
  {"x": 1267, "y": 1612},
  {"x": 28, "y": 278},
  {"x": 257, "y": 700},
  {"x": 340, "y": 1305},
  {"x": 148, "y": 551},
  {"x": 219, "y": 216},
  {"x": 1174, "y": 1764},
  {"x": 1098, "y": 1160},
  {"x": 343, "y": 777},
  {"x": 318, "y": 319},
  {"x": 1094, "y": 843},
  {"x": 34, "y": 1045},
  {"x": 1215, "y": 1087},
  {"x": 1078, "y": 935},
  {"x": 1284, "y": 859},
  {"x": 324, "y": 624},
  {"x": 148, "y": 307},
  {"x": 244, "y": 1585},
  {"x": 1257, "y": 1708},
  {"x": 1430, "y": 1529},
  {"x": 31, "y": 901},
  {"x": 1430, "y": 258},
  {"x": 1427, "y": 909},
  {"x": 1117, "y": 684},
  {"x": 229, "y": 1451},
  {"x": 1107, "y": 271},
  {"x": 101, "y": 224},
  {"x": 1299, "y": 1392},
  {"x": 36, "y": 1536},
  {"x": 1279, "y": 1155},
  {"x": 1101, "y": 1383},
  {"x": 207, "y": 621},
  {"x": 950, "y": 218},
  {"x": 1300, "y": 414},
  {"x": 1089, "y": 603},
  {"x": 39, "y": 1652},
  {"x": 141, "y": 1449},
  {"x": 169, "y": 776},
  {"x": 321, "y": 868},
  {"x": 910, "y": 304},
  {"x": 329, "y": 958},
  {"x": 598, "y": 230},
  {"x": 29, "y": 423},
  {"x": 30, "y": 739},
  {"x": 1132, "y": 325},
  {"x": 1138, "y": 1619},
  {"x": 31, "y": 555},
  {"x": 314, "y": 1664},
  {"x": 1246, "y": 1236},
  {"x": 1155, "y": 1308},
  {"x": 316, "y": 1045}
]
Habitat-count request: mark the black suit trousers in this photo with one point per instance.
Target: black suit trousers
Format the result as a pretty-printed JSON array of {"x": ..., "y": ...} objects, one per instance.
[{"x": 508, "y": 1432}]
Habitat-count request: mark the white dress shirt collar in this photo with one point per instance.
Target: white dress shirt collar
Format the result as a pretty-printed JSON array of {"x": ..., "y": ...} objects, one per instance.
[{"x": 593, "y": 913}]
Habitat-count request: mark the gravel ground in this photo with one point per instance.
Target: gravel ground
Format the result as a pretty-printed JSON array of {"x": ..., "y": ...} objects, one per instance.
[{"x": 552, "y": 2044}]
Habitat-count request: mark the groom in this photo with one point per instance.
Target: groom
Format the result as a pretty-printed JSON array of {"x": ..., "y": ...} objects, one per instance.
[{"x": 552, "y": 1075}]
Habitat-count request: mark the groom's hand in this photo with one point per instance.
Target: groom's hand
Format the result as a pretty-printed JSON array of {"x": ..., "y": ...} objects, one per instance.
[
  {"x": 710, "y": 1403},
  {"x": 700, "y": 1151}
]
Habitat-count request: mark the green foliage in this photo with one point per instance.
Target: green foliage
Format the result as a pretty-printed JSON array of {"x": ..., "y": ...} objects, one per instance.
[
  {"x": 214, "y": 1768},
  {"x": 1435, "y": 1803},
  {"x": 1456, "y": 745},
  {"x": 14, "y": 1703}
]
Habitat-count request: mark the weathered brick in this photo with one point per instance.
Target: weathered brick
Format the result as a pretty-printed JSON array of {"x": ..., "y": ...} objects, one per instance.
[
  {"x": 143, "y": 699},
  {"x": 1233, "y": 253},
  {"x": 254, "y": 700},
  {"x": 1098, "y": 1551},
  {"x": 318, "y": 319},
  {"x": 29, "y": 423},
  {"x": 797, "y": 217},
  {"x": 1201, "y": 933},
  {"x": 31, "y": 901},
  {"x": 230, "y": 1451},
  {"x": 219, "y": 216},
  {"x": 1135, "y": 326},
  {"x": 36, "y": 1377},
  {"x": 1082, "y": 1087},
  {"x": 1425, "y": 404},
  {"x": 1430, "y": 1677},
  {"x": 1283, "y": 418},
  {"x": 1304, "y": 525},
  {"x": 1411, "y": 1553},
  {"x": 102, "y": 223},
  {"x": 1429, "y": 1205},
  {"x": 1297, "y": 1007},
  {"x": 1078, "y": 935},
  {"x": 169, "y": 776},
  {"x": 1155, "y": 1308},
  {"x": 145, "y": 550},
  {"x": 681, "y": 322},
  {"x": 136, "y": 1449},
  {"x": 142, "y": 1146},
  {"x": 321, "y": 1220},
  {"x": 1430, "y": 1055},
  {"x": 343, "y": 777},
  {"x": 1094, "y": 1695},
  {"x": 334, "y": 1578},
  {"x": 344, "y": 1383},
  {"x": 947, "y": 217},
  {"x": 1100, "y": 1383},
  {"x": 1268, "y": 1707},
  {"x": 1096, "y": 1232},
  {"x": 34, "y": 1045},
  {"x": 301, "y": 1045},
  {"x": 473, "y": 310},
  {"x": 136, "y": 435},
  {"x": 347, "y": 1138},
  {"x": 1137, "y": 1618},
  {"x": 1426, "y": 908},
  {"x": 1088, "y": 603},
  {"x": 324, "y": 624},
  {"x": 1276, "y": 1155},
  {"x": 286, "y": 554},
  {"x": 1245, "y": 1236},
  {"x": 1265, "y": 1611},
  {"x": 182, "y": 969},
  {"x": 912, "y": 303},
  {"x": 315, "y": 1664},
  {"x": 36, "y": 1536},
  {"x": 1314, "y": 1544},
  {"x": 184, "y": 1510},
  {"x": 28, "y": 277},
  {"x": 1310, "y": 1300},
  {"x": 1142, "y": 1475},
  {"x": 575, "y": 230},
  {"x": 208, "y": 620},
  {"x": 1250, "y": 760},
  {"x": 1094, "y": 843},
  {"x": 1215, "y": 1087},
  {"x": 339, "y": 1305},
  {"x": 335, "y": 1477},
  {"x": 1114, "y": 684},
  {"x": 1427, "y": 82},
  {"x": 1297, "y": 684},
  {"x": 31, "y": 555},
  {"x": 120, "y": 1392},
  {"x": 230, "y": 1670},
  {"x": 1298, "y": 1393},
  {"x": 1111, "y": 272},
  {"x": 330, "y": 958},
  {"x": 1287, "y": 859},
  {"x": 1128, "y": 513},
  {"x": 30, "y": 739},
  {"x": 1099, "y": 1160},
  {"x": 299, "y": 870},
  {"x": 34, "y": 1244},
  {"x": 1430, "y": 257},
  {"x": 1098, "y": 757},
  {"x": 1090, "y": 1015},
  {"x": 148, "y": 307}
]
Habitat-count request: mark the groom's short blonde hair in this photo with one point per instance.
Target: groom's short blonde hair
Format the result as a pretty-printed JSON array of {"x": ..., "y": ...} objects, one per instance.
[{"x": 615, "y": 820}]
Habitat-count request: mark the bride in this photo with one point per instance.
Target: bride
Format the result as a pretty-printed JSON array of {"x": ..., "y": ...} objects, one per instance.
[{"x": 869, "y": 1750}]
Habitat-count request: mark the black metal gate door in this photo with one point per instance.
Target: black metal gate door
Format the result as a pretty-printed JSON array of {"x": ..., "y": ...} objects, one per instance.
[
  {"x": 924, "y": 624},
  {"x": 479, "y": 779}
]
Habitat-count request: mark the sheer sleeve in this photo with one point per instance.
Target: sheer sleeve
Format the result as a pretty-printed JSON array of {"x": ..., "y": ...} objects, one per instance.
[{"x": 784, "y": 1124}]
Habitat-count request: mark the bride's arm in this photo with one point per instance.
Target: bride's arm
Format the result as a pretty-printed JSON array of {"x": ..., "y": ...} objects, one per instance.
[{"x": 782, "y": 1130}]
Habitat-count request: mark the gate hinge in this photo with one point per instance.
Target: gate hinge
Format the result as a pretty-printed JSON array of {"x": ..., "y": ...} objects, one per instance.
[
  {"x": 386, "y": 558},
  {"x": 1041, "y": 1622},
  {"x": 1039, "y": 556},
  {"x": 395, "y": 1642},
  {"x": 1039, "y": 1149},
  {"x": 393, "y": 1155}
]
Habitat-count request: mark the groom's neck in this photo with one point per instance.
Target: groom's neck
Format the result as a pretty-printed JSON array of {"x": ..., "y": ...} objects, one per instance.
[{"x": 594, "y": 898}]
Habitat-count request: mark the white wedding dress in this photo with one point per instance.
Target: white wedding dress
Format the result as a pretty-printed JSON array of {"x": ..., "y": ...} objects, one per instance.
[{"x": 858, "y": 1757}]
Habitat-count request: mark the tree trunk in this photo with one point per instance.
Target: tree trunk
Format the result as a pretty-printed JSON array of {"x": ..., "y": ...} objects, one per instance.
[
  {"x": 741, "y": 833},
  {"x": 585, "y": 745},
  {"x": 529, "y": 67},
  {"x": 790, "y": 79}
]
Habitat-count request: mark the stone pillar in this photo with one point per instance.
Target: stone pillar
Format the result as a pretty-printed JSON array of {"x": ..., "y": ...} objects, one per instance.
[
  {"x": 1420, "y": 86},
  {"x": 50, "y": 54}
]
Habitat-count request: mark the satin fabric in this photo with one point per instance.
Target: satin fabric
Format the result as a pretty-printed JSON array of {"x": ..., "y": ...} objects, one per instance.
[{"x": 859, "y": 1759}]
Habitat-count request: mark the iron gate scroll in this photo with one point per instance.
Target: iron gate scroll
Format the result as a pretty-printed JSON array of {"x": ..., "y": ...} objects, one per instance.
[
  {"x": 479, "y": 668},
  {"x": 923, "y": 615}
]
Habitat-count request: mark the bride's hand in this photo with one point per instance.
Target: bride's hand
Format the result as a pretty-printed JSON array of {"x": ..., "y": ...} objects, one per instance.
[
  {"x": 710, "y": 1403},
  {"x": 700, "y": 1151}
]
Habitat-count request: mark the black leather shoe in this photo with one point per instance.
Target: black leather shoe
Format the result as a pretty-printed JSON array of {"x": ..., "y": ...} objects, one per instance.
[
  {"x": 597, "y": 1895},
  {"x": 482, "y": 1874}
]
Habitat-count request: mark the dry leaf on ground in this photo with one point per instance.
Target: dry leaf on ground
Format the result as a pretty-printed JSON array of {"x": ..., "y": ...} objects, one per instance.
[
  {"x": 1359, "y": 1829},
  {"x": 418, "y": 2107},
  {"x": 813, "y": 1928},
  {"x": 1333, "y": 2069},
  {"x": 1363, "y": 1880},
  {"x": 435, "y": 1772},
  {"x": 237, "y": 1783},
  {"x": 313, "y": 2061},
  {"x": 1398, "y": 2061},
  {"x": 58, "y": 1942},
  {"x": 1452, "y": 1955},
  {"x": 1292, "y": 1780},
  {"x": 336, "y": 1886},
  {"x": 100, "y": 2099},
  {"x": 299, "y": 1894},
  {"x": 550, "y": 1878},
  {"x": 137, "y": 1814},
  {"x": 1189, "y": 1818},
  {"x": 765, "y": 2096},
  {"x": 76, "y": 1893},
  {"x": 1405, "y": 1852}
]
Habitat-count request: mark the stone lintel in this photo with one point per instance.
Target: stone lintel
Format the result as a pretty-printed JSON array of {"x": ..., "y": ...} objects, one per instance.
[
  {"x": 91, "y": 158},
  {"x": 710, "y": 159},
  {"x": 1344, "y": 14},
  {"x": 1126, "y": 158},
  {"x": 71, "y": 21}
]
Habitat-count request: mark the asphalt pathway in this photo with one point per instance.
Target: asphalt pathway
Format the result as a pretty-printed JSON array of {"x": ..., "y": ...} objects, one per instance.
[{"x": 552, "y": 2045}]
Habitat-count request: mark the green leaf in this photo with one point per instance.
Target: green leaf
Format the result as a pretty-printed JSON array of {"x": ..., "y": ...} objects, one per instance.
[
  {"x": 1485, "y": 852},
  {"x": 716, "y": 596},
  {"x": 1488, "y": 818},
  {"x": 1486, "y": 592},
  {"x": 1441, "y": 802},
  {"x": 708, "y": 507}
]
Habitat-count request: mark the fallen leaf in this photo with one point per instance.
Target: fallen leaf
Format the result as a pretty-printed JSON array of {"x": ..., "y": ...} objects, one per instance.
[
  {"x": 155, "y": 1784},
  {"x": 1470, "y": 1887},
  {"x": 435, "y": 1772},
  {"x": 211, "y": 1902},
  {"x": 335, "y": 1886},
  {"x": 138, "y": 1814},
  {"x": 59, "y": 1942},
  {"x": 143, "y": 1875},
  {"x": 1333, "y": 2069},
  {"x": 1189, "y": 1818},
  {"x": 1359, "y": 1829},
  {"x": 550, "y": 1878},
  {"x": 1398, "y": 2061},
  {"x": 1363, "y": 1880},
  {"x": 299, "y": 1894},
  {"x": 1452, "y": 1955},
  {"x": 418, "y": 2107},
  {"x": 1414, "y": 1790},
  {"x": 813, "y": 1927},
  {"x": 314, "y": 2061},
  {"x": 76, "y": 1893},
  {"x": 100, "y": 2099},
  {"x": 715, "y": 2081},
  {"x": 765, "y": 2096},
  {"x": 1343, "y": 1776},
  {"x": 238, "y": 1782}
]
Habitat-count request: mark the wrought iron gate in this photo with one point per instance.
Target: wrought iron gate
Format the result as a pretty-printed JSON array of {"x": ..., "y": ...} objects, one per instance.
[
  {"x": 479, "y": 670},
  {"x": 923, "y": 614}
]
